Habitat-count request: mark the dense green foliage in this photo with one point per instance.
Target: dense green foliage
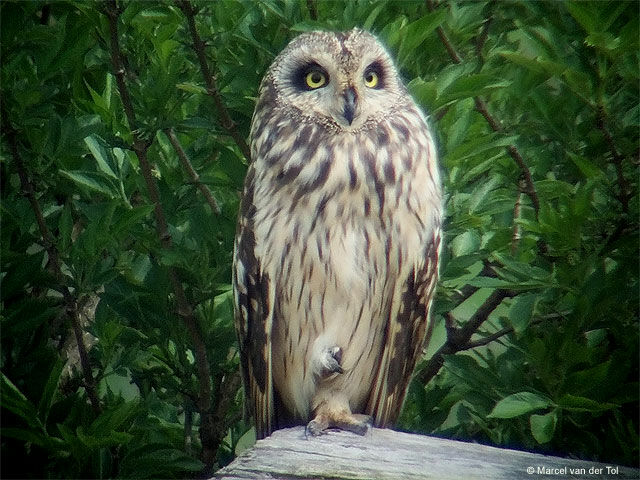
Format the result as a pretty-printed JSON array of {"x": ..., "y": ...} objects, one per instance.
[{"x": 535, "y": 107}]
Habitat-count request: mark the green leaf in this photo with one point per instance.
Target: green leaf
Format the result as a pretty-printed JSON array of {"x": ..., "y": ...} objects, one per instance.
[
  {"x": 586, "y": 166},
  {"x": 192, "y": 88},
  {"x": 603, "y": 40},
  {"x": 477, "y": 145},
  {"x": 468, "y": 369},
  {"x": 519, "y": 404},
  {"x": 522, "y": 269},
  {"x": 97, "y": 99},
  {"x": 492, "y": 282},
  {"x": 108, "y": 87},
  {"x": 22, "y": 274},
  {"x": 92, "y": 181},
  {"x": 543, "y": 426},
  {"x": 595, "y": 337},
  {"x": 106, "y": 439},
  {"x": 465, "y": 243},
  {"x": 14, "y": 401},
  {"x": 126, "y": 220},
  {"x": 521, "y": 311},
  {"x": 471, "y": 85},
  {"x": 582, "y": 404},
  {"x": 545, "y": 68},
  {"x": 424, "y": 92},
  {"x": 479, "y": 195},
  {"x": 585, "y": 15},
  {"x": 65, "y": 225},
  {"x": 416, "y": 32},
  {"x": 50, "y": 389},
  {"x": 111, "y": 420},
  {"x": 31, "y": 436},
  {"x": 368, "y": 23},
  {"x": 580, "y": 83},
  {"x": 154, "y": 460},
  {"x": 100, "y": 154}
]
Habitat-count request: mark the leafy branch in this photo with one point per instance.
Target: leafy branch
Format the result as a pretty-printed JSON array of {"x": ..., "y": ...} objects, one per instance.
[
  {"x": 210, "y": 80},
  {"x": 459, "y": 338},
  {"x": 482, "y": 108},
  {"x": 184, "y": 309},
  {"x": 70, "y": 301}
]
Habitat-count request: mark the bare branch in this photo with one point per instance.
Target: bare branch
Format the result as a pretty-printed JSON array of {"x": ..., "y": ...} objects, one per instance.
[
  {"x": 195, "y": 178},
  {"x": 212, "y": 88},
  {"x": 185, "y": 310}
]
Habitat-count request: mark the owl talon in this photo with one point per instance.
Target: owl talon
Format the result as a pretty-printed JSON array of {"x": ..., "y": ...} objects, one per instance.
[
  {"x": 316, "y": 427},
  {"x": 355, "y": 423}
]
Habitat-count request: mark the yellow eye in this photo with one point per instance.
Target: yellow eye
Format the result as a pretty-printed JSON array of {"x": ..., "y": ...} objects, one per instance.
[
  {"x": 315, "y": 79},
  {"x": 371, "y": 79}
]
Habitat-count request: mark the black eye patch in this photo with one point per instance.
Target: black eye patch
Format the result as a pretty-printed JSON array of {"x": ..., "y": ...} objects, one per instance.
[
  {"x": 377, "y": 69},
  {"x": 309, "y": 71}
]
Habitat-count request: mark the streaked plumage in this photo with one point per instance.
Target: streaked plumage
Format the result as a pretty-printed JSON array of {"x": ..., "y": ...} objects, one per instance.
[{"x": 336, "y": 254}]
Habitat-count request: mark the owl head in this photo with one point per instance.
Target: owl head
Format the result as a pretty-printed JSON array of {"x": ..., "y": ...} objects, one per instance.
[{"x": 343, "y": 80}]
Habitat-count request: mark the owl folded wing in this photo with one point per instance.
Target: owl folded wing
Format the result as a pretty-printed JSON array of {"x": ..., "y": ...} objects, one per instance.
[{"x": 408, "y": 331}]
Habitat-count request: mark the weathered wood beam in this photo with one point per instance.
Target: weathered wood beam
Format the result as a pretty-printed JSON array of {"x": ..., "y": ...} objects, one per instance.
[{"x": 386, "y": 454}]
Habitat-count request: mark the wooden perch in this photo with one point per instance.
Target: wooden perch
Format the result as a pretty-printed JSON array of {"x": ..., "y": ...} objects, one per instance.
[{"x": 386, "y": 454}]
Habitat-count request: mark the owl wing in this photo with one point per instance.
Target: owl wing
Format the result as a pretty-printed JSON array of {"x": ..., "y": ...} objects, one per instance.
[
  {"x": 253, "y": 314},
  {"x": 408, "y": 330}
]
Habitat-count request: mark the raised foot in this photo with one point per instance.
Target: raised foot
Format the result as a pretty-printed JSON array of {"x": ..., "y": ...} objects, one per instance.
[{"x": 330, "y": 360}]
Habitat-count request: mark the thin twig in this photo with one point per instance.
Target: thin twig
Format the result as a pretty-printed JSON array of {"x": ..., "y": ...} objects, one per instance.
[
  {"x": 507, "y": 330},
  {"x": 515, "y": 237},
  {"x": 185, "y": 310},
  {"x": 482, "y": 38},
  {"x": 313, "y": 11},
  {"x": 212, "y": 88},
  {"x": 71, "y": 304},
  {"x": 188, "y": 427},
  {"x": 443, "y": 37},
  {"x": 623, "y": 185},
  {"x": 186, "y": 164}
]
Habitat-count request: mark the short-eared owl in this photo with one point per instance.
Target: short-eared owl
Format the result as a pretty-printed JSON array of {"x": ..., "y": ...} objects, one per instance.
[{"x": 336, "y": 253}]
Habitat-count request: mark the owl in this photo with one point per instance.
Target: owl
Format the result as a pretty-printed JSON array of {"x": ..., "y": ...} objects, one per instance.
[{"x": 338, "y": 238}]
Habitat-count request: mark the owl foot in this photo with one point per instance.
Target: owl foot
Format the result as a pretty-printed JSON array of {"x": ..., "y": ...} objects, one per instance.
[
  {"x": 351, "y": 422},
  {"x": 330, "y": 360}
]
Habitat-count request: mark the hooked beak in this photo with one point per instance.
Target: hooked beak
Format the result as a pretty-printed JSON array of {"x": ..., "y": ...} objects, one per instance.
[{"x": 350, "y": 98}]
